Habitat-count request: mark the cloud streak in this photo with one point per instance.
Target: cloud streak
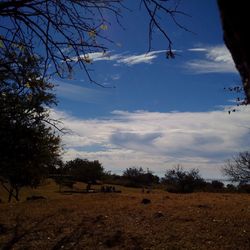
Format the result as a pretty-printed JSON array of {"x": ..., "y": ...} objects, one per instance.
[
  {"x": 215, "y": 59},
  {"x": 142, "y": 58},
  {"x": 158, "y": 140},
  {"x": 126, "y": 59},
  {"x": 81, "y": 94},
  {"x": 212, "y": 59}
]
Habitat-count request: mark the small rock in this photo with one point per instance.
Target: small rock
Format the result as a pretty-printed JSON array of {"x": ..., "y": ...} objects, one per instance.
[
  {"x": 203, "y": 206},
  {"x": 3, "y": 229},
  {"x": 145, "y": 201},
  {"x": 115, "y": 239},
  {"x": 35, "y": 197},
  {"x": 158, "y": 214}
]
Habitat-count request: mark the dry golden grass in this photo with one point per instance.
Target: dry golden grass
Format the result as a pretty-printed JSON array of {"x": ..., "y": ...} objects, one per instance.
[{"x": 121, "y": 221}]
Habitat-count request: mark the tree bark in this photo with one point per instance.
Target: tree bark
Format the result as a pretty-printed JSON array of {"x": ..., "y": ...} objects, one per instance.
[{"x": 235, "y": 24}]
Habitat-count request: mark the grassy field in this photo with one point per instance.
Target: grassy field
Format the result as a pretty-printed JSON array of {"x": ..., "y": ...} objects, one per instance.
[{"x": 121, "y": 221}]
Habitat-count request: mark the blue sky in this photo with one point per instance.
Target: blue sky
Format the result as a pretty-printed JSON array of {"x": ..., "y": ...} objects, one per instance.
[{"x": 158, "y": 112}]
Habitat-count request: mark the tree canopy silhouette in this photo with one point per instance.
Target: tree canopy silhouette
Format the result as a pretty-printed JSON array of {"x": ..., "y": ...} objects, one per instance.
[
  {"x": 84, "y": 170},
  {"x": 28, "y": 144}
]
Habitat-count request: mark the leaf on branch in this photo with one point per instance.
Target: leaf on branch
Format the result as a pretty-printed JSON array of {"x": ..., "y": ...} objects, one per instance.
[
  {"x": 104, "y": 27},
  {"x": 21, "y": 47},
  {"x": 92, "y": 33},
  {"x": 30, "y": 96},
  {"x": 28, "y": 85},
  {"x": 87, "y": 59}
]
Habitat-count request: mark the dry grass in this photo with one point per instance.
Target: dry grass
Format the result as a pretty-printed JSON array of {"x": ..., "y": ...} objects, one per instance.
[{"x": 121, "y": 221}]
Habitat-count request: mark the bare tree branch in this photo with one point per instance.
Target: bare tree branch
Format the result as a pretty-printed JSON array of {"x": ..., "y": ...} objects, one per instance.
[
  {"x": 54, "y": 26},
  {"x": 157, "y": 9},
  {"x": 238, "y": 168},
  {"x": 61, "y": 30}
]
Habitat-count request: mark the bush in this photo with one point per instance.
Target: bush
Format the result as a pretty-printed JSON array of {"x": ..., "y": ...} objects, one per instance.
[
  {"x": 84, "y": 170},
  {"x": 180, "y": 181},
  {"x": 217, "y": 185},
  {"x": 214, "y": 186},
  {"x": 137, "y": 177},
  {"x": 231, "y": 188},
  {"x": 244, "y": 188},
  {"x": 65, "y": 182}
]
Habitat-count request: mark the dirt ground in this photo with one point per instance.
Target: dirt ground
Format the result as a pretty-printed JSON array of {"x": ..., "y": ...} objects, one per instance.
[{"x": 121, "y": 221}]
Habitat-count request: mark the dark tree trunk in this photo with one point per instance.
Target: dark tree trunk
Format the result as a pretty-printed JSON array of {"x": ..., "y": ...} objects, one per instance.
[
  {"x": 17, "y": 193},
  {"x": 236, "y": 28},
  {"x": 10, "y": 194}
]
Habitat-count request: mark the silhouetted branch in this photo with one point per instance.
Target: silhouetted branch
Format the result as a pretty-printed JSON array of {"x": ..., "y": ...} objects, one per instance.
[
  {"x": 158, "y": 8},
  {"x": 55, "y": 26},
  {"x": 61, "y": 30},
  {"x": 238, "y": 168}
]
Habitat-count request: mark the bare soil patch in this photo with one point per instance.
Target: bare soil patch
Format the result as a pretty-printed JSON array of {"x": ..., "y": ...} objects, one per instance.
[{"x": 122, "y": 221}]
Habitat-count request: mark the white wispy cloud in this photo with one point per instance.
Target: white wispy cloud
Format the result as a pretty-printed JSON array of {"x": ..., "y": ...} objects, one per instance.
[
  {"x": 141, "y": 58},
  {"x": 115, "y": 77},
  {"x": 216, "y": 59},
  {"x": 127, "y": 59},
  {"x": 79, "y": 93},
  {"x": 198, "y": 49},
  {"x": 96, "y": 56},
  {"x": 137, "y": 59},
  {"x": 158, "y": 140}
]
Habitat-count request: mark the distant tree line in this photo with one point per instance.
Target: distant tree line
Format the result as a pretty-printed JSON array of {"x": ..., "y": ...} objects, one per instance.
[
  {"x": 176, "y": 180},
  {"x": 83, "y": 170}
]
